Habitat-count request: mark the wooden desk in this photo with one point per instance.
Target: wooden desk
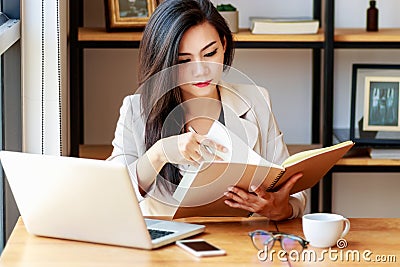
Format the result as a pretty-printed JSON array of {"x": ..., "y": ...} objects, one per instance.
[{"x": 380, "y": 236}]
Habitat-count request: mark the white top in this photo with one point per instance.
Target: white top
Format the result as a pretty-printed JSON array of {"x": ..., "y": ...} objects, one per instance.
[{"x": 247, "y": 113}]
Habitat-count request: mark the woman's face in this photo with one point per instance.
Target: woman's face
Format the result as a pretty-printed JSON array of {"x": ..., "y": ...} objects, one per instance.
[{"x": 201, "y": 57}]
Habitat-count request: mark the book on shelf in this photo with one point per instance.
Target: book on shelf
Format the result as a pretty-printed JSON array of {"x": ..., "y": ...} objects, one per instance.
[
  {"x": 384, "y": 153},
  {"x": 201, "y": 191},
  {"x": 293, "y": 25}
]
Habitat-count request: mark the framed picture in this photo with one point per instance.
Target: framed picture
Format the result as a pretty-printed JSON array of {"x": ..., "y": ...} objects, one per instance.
[
  {"x": 123, "y": 15},
  {"x": 375, "y": 107}
]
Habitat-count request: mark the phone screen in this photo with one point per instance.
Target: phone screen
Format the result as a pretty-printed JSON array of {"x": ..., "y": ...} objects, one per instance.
[{"x": 200, "y": 246}]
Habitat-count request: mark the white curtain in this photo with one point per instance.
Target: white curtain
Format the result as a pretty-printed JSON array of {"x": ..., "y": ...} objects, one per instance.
[{"x": 44, "y": 28}]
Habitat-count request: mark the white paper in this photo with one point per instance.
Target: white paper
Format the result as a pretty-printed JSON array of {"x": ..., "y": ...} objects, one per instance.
[{"x": 238, "y": 150}]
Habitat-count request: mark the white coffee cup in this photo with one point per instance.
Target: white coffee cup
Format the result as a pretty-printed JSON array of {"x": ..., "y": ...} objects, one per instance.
[{"x": 323, "y": 230}]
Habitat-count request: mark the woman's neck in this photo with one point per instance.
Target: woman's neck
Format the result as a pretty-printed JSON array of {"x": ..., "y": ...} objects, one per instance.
[
  {"x": 195, "y": 105},
  {"x": 201, "y": 112}
]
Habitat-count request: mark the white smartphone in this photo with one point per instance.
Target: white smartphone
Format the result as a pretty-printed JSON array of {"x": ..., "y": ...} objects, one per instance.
[{"x": 200, "y": 247}]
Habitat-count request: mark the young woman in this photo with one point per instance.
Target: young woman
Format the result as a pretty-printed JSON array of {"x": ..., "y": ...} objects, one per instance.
[{"x": 185, "y": 48}]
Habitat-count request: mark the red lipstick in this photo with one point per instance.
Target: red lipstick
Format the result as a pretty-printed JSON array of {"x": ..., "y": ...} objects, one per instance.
[{"x": 202, "y": 84}]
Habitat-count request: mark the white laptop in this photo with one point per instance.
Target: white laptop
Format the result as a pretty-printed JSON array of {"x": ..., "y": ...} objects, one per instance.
[{"x": 86, "y": 200}]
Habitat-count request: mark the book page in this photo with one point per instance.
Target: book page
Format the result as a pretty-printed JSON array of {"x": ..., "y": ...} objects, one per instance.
[
  {"x": 313, "y": 164},
  {"x": 238, "y": 150},
  {"x": 241, "y": 165}
]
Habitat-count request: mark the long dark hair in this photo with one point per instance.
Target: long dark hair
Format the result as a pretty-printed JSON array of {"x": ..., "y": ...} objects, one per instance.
[{"x": 158, "y": 51}]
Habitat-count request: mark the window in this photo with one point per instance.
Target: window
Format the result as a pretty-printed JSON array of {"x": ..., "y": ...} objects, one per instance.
[
  {"x": 10, "y": 104},
  {"x": 33, "y": 128}
]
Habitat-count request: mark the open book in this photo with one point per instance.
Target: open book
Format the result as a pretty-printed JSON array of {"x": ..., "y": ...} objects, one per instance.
[{"x": 201, "y": 191}]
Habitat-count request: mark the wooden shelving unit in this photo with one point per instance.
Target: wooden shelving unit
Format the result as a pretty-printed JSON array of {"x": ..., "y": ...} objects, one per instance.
[
  {"x": 326, "y": 40},
  {"x": 244, "y": 35},
  {"x": 360, "y": 35},
  {"x": 343, "y": 39},
  {"x": 104, "y": 151},
  {"x": 100, "y": 34},
  {"x": 95, "y": 151}
]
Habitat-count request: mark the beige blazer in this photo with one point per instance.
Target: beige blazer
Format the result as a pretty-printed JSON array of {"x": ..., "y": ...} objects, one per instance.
[{"x": 247, "y": 112}]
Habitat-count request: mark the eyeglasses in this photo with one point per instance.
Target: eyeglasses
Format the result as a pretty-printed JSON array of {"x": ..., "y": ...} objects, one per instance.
[{"x": 263, "y": 240}]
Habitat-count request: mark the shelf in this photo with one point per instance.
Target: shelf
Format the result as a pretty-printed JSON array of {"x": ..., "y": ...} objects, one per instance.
[
  {"x": 360, "y": 38},
  {"x": 100, "y": 34},
  {"x": 98, "y": 37},
  {"x": 95, "y": 151},
  {"x": 293, "y": 149},
  {"x": 361, "y": 35},
  {"x": 244, "y": 35},
  {"x": 367, "y": 161},
  {"x": 104, "y": 151},
  {"x": 358, "y": 160}
]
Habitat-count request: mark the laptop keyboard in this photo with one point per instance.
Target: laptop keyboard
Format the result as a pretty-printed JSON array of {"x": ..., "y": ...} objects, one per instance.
[{"x": 154, "y": 234}]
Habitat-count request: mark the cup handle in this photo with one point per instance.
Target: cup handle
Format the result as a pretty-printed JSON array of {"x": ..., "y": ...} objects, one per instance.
[{"x": 346, "y": 228}]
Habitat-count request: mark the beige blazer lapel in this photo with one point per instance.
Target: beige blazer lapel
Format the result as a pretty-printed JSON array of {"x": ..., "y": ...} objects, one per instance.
[{"x": 238, "y": 115}]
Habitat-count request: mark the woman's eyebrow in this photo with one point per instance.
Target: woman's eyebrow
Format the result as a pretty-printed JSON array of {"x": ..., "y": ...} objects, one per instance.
[{"x": 204, "y": 48}]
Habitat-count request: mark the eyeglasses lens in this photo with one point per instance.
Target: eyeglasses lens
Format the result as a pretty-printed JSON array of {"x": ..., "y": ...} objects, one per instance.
[
  {"x": 289, "y": 244},
  {"x": 263, "y": 241}
]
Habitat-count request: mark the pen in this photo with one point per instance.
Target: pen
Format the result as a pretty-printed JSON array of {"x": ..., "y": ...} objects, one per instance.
[{"x": 209, "y": 149}]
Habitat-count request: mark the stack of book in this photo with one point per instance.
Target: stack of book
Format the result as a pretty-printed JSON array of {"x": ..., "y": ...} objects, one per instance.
[
  {"x": 294, "y": 25},
  {"x": 384, "y": 153}
]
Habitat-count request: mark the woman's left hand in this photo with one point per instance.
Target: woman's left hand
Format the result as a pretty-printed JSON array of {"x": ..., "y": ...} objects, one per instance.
[{"x": 273, "y": 205}]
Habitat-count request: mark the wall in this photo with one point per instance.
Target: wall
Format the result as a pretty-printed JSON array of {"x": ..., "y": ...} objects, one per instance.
[{"x": 110, "y": 74}]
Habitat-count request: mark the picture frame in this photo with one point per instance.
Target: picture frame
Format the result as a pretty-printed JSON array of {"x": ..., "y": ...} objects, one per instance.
[
  {"x": 128, "y": 15},
  {"x": 375, "y": 105}
]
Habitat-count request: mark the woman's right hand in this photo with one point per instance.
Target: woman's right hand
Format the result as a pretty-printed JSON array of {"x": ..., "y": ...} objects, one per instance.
[{"x": 187, "y": 148}]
